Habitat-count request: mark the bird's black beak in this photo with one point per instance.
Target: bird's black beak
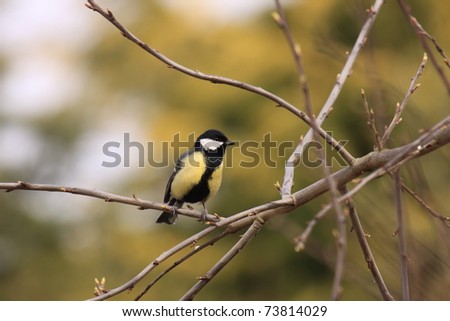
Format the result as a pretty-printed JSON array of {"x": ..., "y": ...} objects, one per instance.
[{"x": 229, "y": 143}]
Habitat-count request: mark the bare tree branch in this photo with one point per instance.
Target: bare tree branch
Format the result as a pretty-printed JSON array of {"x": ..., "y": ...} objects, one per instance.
[
  {"x": 441, "y": 51},
  {"x": 400, "y": 107},
  {"x": 401, "y": 235},
  {"x": 407, "y": 12},
  {"x": 341, "y": 249},
  {"x": 280, "y": 18},
  {"x": 243, "y": 241},
  {"x": 293, "y": 160},
  {"x": 197, "y": 249},
  {"x": 371, "y": 121},
  {"x": 364, "y": 244},
  {"x": 107, "y": 197},
  {"x": 444, "y": 219}
]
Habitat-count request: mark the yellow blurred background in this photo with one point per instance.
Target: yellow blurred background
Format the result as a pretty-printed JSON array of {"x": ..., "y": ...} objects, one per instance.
[{"x": 70, "y": 83}]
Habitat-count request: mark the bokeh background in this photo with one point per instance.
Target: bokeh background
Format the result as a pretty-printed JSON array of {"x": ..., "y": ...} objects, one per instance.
[{"x": 69, "y": 83}]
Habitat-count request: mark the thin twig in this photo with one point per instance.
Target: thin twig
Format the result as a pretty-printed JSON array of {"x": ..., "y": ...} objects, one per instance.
[
  {"x": 197, "y": 249},
  {"x": 244, "y": 240},
  {"x": 107, "y": 14},
  {"x": 300, "y": 241},
  {"x": 441, "y": 51},
  {"x": 364, "y": 244},
  {"x": 280, "y": 18},
  {"x": 444, "y": 219},
  {"x": 400, "y": 107},
  {"x": 400, "y": 232},
  {"x": 407, "y": 12},
  {"x": 341, "y": 249},
  {"x": 347, "y": 69},
  {"x": 371, "y": 121},
  {"x": 293, "y": 160}
]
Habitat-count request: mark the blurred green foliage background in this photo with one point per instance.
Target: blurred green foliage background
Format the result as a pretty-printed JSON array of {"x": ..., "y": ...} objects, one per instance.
[{"x": 52, "y": 246}]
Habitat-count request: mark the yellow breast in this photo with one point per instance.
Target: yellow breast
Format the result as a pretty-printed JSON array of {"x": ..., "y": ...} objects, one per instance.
[{"x": 190, "y": 175}]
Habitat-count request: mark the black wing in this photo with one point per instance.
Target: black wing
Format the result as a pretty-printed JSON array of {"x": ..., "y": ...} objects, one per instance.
[{"x": 178, "y": 166}]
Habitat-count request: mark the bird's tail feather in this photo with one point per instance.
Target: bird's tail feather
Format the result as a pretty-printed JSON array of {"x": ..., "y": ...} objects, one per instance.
[{"x": 170, "y": 217}]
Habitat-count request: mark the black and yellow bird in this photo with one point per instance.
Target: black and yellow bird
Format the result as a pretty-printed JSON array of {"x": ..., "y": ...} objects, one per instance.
[{"x": 197, "y": 175}]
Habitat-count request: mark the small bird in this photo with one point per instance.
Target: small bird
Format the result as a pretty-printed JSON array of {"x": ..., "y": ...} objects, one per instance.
[{"x": 197, "y": 175}]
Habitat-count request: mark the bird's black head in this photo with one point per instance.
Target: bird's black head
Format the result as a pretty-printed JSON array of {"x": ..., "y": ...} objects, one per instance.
[{"x": 212, "y": 144}]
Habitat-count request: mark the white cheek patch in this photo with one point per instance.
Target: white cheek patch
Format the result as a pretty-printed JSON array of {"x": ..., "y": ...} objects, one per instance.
[{"x": 209, "y": 144}]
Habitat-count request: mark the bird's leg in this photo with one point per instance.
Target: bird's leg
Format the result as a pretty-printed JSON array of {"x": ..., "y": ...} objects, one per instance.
[
  {"x": 174, "y": 215},
  {"x": 174, "y": 210},
  {"x": 203, "y": 213}
]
